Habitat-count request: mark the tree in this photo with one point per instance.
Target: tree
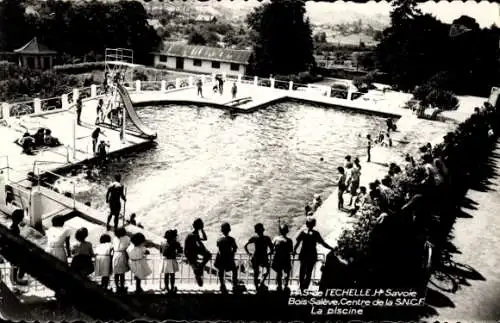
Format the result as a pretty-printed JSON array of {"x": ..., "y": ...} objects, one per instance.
[
  {"x": 320, "y": 37},
  {"x": 284, "y": 42},
  {"x": 197, "y": 38},
  {"x": 77, "y": 29},
  {"x": 13, "y": 26}
]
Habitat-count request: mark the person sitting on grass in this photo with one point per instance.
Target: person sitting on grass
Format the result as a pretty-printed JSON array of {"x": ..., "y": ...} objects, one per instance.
[
  {"x": 263, "y": 247},
  {"x": 170, "y": 250},
  {"x": 137, "y": 260},
  {"x": 224, "y": 261}
]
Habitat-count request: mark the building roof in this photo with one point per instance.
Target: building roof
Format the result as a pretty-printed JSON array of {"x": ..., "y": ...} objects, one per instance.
[
  {"x": 206, "y": 53},
  {"x": 34, "y": 47}
]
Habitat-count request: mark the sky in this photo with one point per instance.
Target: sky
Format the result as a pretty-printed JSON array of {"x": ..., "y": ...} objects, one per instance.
[{"x": 484, "y": 12}]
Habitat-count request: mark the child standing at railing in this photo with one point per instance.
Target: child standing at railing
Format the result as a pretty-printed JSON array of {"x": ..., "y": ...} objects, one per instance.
[
  {"x": 260, "y": 257},
  {"x": 120, "y": 258},
  {"x": 137, "y": 260},
  {"x": 224, "y": 261},
  {"x": 103, "y": 259},
  {"x": 170, "y": 249},
  {"x": 82, "y": 254},
  {"x": 283, "y": 248}
]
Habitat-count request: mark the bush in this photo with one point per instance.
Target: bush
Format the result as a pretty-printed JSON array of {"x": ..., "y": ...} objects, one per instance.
[
  {"x": 301, "y": 78},
  {"x": 430, "y": 94},
  {"x": 80, "y": 68},
  {"x": 25, "y": 84},
  {"x": 380, "y": 251},
  {"x": 141, "y": 76}
]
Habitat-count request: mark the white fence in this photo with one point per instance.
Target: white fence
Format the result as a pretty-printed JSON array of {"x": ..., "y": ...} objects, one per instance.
[{"x": 66, "y": 101}]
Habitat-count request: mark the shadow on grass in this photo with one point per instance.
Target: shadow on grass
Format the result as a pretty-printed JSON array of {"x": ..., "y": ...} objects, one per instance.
[{"x": 449, "y": 276}]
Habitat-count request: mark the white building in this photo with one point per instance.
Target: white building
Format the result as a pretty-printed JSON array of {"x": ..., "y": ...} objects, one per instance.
[{"x": 202, "y": 59}]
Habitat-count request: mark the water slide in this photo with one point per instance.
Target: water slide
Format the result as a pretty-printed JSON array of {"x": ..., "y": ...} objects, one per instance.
[
  {"x": 132, "y": 114},
  {"x": 85, "y": 295}
]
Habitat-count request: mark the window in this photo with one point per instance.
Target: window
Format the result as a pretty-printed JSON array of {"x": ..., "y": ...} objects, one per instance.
[
  {"x": 235, "y": 67},
  {"x": 215, "y": 64},
  {"x": 197, "y": 62},
  {"x": 163, "y": 58}
]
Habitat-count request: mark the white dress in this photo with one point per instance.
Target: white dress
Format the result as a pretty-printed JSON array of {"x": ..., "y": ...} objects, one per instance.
[
  {"x": 103, "y": 259},
  {"x": 120, "y": 263},
  {"x": 138, "y": 262},
  {"x": 56, "y": 240}
]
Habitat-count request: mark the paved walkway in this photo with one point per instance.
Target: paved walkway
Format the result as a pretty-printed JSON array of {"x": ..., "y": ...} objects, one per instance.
[{"x": 477, "y": 238}]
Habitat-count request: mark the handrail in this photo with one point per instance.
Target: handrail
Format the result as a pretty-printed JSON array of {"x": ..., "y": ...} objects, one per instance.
[
  {"x": 7, "y": 166},
  {"x": 51, "y": 186}
]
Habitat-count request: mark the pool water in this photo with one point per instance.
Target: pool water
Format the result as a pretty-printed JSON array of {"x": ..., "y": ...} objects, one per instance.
[{"x": 243, "y": 169}]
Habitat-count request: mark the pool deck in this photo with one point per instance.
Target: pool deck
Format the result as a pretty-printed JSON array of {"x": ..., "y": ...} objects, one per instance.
[{"x": 330, "y": 220}]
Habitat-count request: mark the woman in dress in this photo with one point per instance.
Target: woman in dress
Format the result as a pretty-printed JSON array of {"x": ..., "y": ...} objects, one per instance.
[
  {"x": 58, "y": 239},
  {"x": 137, "y": 260},
  {"x": 170, "y": 249},
  {"x": 120, "y": 258},
  {"x": 103, "y": 259},
  {"x": 82, "y": 254}
]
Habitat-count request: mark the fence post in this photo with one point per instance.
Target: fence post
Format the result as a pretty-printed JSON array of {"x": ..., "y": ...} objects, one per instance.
[
  {"x": 329, "y": 92},
  {"x": 224, "y": 77},
  {"x": 255, "y": 80},
  {"x": 272, "y": 80},
  {"x": 37, "y": 104},
  {"x": 35, "y": 209},
  {"x": 5, "y": 110},
  {"x": 177, "y": 83},
  {"x": 290, "y": 86},
  {"x": 349, "y": 93},
  {"x": 213, "y": 78},
  {"x": 190, "y": 80},
  {"x": 138, "y": 85},
  {"x": 64, "y": 102},
  {"x": 76, "y": 94},
  {"x": 93, "y": 91},
  {"x": 163, "y": 85}
]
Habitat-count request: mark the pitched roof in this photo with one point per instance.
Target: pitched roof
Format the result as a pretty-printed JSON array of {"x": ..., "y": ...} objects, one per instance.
[
  {"x": 34, "y": 47},
  {"x": 206, "y": 53}
]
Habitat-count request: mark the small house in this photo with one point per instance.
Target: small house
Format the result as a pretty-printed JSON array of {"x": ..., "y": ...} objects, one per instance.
[
  {"x": 202, "y": 59},
  {"x": 35, "y": 55}
]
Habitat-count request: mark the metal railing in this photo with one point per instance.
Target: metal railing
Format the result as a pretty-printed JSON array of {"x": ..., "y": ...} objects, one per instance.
[
  {"x": 185, "y": 278},
  {"x": 27, "y": 107},
  {"x": 6, "y": 167},
  {"x": 119, "y": 54}
]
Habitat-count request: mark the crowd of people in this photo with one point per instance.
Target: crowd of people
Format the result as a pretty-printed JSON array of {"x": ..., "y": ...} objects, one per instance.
[{"x": 117, "y": 254}]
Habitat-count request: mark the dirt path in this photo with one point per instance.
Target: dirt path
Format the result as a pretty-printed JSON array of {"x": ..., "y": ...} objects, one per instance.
[{"x": 477, "y": 239}]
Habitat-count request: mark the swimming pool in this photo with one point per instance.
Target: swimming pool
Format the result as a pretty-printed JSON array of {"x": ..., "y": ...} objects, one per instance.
[{"x": 242, "y": 169}]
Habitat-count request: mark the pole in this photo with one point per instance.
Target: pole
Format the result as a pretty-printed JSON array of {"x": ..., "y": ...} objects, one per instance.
[
  {"x": 74, "y": 136},
  {"x": 124, "y": 206},
  {"x": 124, "y": 118}
]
